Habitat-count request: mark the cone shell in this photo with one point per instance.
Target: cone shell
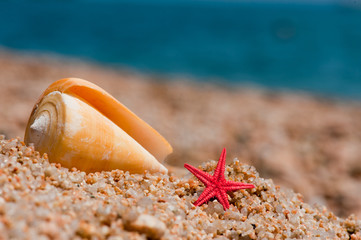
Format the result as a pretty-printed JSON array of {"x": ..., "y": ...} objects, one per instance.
[{"x": 80, "y": 125}]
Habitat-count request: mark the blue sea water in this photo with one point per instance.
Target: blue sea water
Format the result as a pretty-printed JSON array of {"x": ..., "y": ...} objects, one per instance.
[{"x": 299, "y": 46}]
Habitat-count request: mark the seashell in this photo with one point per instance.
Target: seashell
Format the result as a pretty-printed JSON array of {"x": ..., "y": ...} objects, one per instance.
[{"x": 80, "y": 125}]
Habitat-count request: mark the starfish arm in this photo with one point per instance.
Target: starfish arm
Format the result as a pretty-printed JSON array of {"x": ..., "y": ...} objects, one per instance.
[
  {"x": 204, "y": 177},
  {"x": 207, "y": 194},
  {"x": 223, "y": 199},
  {"x": 219, "y": 172},
  {"x": 233, "y": 186}
]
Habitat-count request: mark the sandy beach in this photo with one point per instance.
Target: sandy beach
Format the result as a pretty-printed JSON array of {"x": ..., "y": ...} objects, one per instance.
[
  {"x": 305, "y": 143},
  {"x": 45, "y": 201}
]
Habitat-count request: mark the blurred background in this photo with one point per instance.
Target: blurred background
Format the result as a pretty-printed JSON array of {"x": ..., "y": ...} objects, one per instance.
[
  {"x": 309, "y": 46},
  {"x": 277, "y": 83}
]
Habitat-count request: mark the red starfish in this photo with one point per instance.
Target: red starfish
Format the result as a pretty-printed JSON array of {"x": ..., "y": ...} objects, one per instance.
[{"x": 216, "y": 185}]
